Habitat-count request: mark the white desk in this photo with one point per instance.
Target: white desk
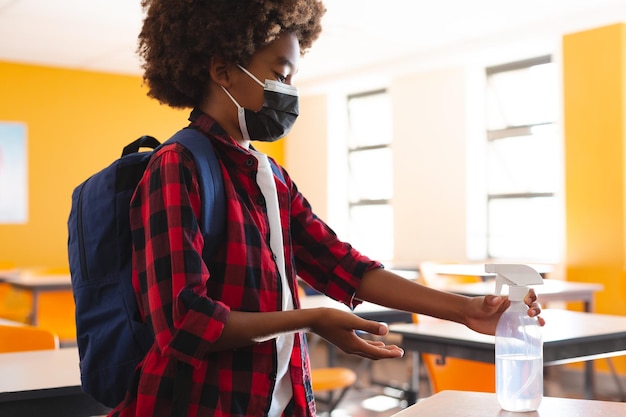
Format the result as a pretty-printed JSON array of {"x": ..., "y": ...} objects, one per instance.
[
  {"x": 478, "y": 269},
  {"x": 480, "y": 404},
  {"x": 46, "y": 383},
  {"x": 28, "y": 373},
  {"x": 36, "y": 284},
  {"x": 368, "y": 311},
  {"x": 569, "y": 336},
  {"x": 550, "y": 290},
  {"x": 9, "y": 274}
]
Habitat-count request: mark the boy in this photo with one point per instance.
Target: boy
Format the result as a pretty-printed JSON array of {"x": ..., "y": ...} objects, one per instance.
[{"x": 228, "y": 330}]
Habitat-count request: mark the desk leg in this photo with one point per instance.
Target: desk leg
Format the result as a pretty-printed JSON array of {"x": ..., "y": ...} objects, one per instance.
[
  {"x": 589, "y": 372},
  {"x": 589, "y": 380},
  {"x": 412, "y": 394},
  {"x": 33, "y": 312}
]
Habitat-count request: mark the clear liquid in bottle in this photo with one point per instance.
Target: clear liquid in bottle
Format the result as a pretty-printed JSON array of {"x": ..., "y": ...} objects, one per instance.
[{"x": 519, "y": 382}]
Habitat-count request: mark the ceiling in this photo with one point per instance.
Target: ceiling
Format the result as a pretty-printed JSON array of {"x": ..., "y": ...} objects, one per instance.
[{"x": 101, "y": 35}]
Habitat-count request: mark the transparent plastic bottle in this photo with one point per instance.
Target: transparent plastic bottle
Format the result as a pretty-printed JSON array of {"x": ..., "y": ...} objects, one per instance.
[{"x": 519, "y": 356}]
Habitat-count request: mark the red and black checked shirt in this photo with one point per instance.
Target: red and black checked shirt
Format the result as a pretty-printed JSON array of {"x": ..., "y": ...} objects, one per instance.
[{"x": 187, "y": 300}]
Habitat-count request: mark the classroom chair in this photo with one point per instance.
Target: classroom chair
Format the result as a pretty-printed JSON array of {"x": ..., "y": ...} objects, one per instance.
[
  {"x": 56, "y": 310},
  {"x": 454, "y": 373},
  {"x": 459, "y": 374},
  {"x": 14, "y": 304},
  {"x": 447, "y": 373},
  {"x": 430, "y": 276},
  {"x": 25, "y": 338},
  {"x": 335, "y": 382}
]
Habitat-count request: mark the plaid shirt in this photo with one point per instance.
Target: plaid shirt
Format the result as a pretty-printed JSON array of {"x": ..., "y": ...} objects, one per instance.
[{"x": 187, "y": 300}]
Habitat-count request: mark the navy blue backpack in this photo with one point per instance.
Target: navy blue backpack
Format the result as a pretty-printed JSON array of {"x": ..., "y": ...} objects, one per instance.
[{"x": 112, "y": 338}]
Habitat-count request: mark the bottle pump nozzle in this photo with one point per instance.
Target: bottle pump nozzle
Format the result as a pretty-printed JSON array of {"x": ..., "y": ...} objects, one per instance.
[{"x": 515, "y": 276}]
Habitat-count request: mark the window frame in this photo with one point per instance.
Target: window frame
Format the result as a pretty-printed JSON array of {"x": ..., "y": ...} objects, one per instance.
[
  {"x": 355, "y": 149},
  {"x": 511, "y": 131}
]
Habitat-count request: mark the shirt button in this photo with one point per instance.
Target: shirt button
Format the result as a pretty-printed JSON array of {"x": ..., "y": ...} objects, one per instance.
[{"x": 249, "y": 162}]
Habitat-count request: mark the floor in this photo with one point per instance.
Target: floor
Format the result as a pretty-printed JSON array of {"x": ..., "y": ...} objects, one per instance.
[{"x": 369, "y": 399}]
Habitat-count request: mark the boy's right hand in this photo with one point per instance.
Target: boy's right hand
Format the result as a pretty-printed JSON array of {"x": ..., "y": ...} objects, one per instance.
[{"x": 339, "y": 328}]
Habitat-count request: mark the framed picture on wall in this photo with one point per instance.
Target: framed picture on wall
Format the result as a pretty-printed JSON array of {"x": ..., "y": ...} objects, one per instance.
[{"x": 13, "y": 173}]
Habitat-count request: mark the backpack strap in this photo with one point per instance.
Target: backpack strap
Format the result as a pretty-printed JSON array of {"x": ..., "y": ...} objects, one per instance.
[
  {"x": 144, "y": 141},
  {"x": 211, "y": 183},
  {"x": 212, "y": 224},
  {"x": 277, "y": 172}
]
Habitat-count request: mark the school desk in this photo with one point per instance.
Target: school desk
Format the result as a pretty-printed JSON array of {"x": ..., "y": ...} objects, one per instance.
[
  {"x": 481, "y": 404},
  {"x": 44, "y": 383},
  {"x": 478, "y": 269},
  {"x": 37, "y": 284},
  {"x": 551, "y": 290}
]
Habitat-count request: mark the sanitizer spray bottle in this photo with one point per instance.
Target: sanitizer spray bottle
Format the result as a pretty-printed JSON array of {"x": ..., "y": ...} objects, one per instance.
[{"x": 519, "y": 343}]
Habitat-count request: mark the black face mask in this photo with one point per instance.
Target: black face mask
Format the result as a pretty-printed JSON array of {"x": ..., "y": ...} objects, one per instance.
[{"x": 276, "y": 117}]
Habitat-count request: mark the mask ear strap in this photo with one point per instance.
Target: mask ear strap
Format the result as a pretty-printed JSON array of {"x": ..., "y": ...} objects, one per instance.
[
  {"x": 241, "y": 115},
  {"x": 231, "y": 97},
  {"x": 251, "y": 75}
]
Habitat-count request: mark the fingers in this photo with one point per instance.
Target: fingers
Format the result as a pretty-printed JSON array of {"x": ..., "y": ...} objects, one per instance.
[
  {"x": 493, "y": 300},
  {"x": 378, "y": 350},
  {"x": 530, "y": 297},
  {"x": 541, "y": 321},
  {"x": 373, "y": 327},
  {"x": 494, "y": 303},
  {"x": 534, "y": 308},
  {"x": 534, "y": 311},
  {"x": 375, "y": 349}
]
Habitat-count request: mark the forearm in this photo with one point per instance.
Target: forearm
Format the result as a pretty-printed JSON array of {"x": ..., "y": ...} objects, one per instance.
[
  {"x": 247, "y": 328},
  {"x": 390, "y": 290}
]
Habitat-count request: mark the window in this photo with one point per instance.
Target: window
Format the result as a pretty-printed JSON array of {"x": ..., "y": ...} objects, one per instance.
[
  {"x": 370, "y": 174},
  {"x": 523, "y": 161}
]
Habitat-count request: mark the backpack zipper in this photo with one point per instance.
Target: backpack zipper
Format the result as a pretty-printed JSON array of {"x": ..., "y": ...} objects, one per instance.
[{"x": 81, "y": 240}]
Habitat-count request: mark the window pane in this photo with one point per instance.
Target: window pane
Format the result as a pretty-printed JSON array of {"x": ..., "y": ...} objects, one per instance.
[
  {"x": 522, "y": 97},
  {"x": 371, "y": 231},
  {"x": 524, "y": 228},
  {"x": 370, "y": 120},
  {"x": 370, "y": 175},
  {"x": 524, "y": 164}
]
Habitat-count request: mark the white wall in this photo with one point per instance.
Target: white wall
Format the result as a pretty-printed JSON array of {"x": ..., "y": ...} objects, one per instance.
[
  {"x": 429, "y": 149},
  {"x": 438, "y": 138}
]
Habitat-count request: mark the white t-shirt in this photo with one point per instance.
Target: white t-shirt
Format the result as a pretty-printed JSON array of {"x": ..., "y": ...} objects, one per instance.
[{"x": 283, "y": 390}]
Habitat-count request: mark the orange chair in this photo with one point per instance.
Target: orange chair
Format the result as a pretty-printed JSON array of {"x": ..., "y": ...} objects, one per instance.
[
  {"x": 459, "y": 374},
  {"x": 335, "y": 382},
  {"x": 56, "y": 310},
  {"x": 430, "y": 276},
  {"x": 57, "y": 314},
  {"x": 453, "y": 373},
  {"x": 446, "y": 373},
  {"x": 14, "y": 304},
  {"x": 25, "y": 338}
]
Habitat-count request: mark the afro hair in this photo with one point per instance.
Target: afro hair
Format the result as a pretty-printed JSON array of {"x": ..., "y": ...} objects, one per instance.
[{"x": 179, "y": 38}]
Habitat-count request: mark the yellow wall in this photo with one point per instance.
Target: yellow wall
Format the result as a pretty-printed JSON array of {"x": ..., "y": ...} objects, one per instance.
[
  {"x": 594, "y": 78},
  {"x": 77, "y": 123}
]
